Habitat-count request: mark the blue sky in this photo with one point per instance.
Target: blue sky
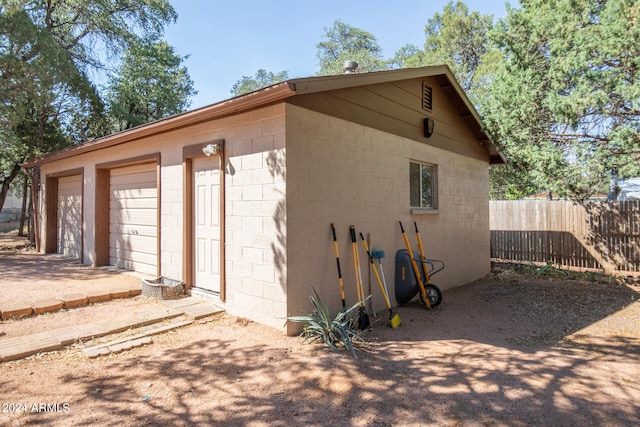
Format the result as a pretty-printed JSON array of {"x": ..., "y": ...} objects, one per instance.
[{"x": 226, "y": 40}]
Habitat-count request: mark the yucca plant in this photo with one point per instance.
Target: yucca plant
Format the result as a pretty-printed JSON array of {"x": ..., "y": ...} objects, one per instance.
[{"x": 319, "y": 326}]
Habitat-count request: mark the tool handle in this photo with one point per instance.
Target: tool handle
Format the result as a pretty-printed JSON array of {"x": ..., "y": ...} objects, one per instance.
[
  {"x": 401, "y": 227},
  {"x": 366, "y": 248},
  {"x": 333, "y": 231},
  {"x": 415, "y": 224},
  {"x": 352, "y": 231}
]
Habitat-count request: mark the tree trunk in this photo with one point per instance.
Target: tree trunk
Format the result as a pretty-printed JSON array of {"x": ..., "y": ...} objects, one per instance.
[
  {"x": 34, "y": 233},
  {"x": 6, "y": 183},
  {"x": 23, "y": 211}
]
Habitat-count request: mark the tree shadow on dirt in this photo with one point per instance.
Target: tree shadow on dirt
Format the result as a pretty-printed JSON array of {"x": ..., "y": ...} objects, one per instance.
[
  {"x": 456, "y": 365},
  {"x": 215, "y": 382}
]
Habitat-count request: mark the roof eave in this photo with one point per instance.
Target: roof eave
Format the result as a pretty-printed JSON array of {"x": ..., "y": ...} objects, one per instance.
[{"x": 232, "y": 106}]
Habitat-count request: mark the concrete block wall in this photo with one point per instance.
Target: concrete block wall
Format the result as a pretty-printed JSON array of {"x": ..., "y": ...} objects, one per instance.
[
  {"x": 256, "y": 274},
  {"x": 348, "y": 174},
  {"x": 171, "y": 221}
]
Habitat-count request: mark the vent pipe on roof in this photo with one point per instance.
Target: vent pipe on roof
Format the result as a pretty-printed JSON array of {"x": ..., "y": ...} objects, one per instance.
[{"x": 349, "y": 67}]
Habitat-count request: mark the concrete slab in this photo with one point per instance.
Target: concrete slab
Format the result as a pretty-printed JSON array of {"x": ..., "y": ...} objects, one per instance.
[
  {"x": 135, "y": 292},
  {"x": 74, "y": 300},
  {"x": 137, "y": 340},
  {"x": 98, "y": 296},
  {"x": 47, "y": 305},
  {"x": 127, "y": 345},
  {"x": 71, "y": 334},
  {"x": 180, "y": 302},
  {"x": 201, "y": 310},
  {"x": 92, "y": 352},
  {"x": 119, "y": 293},
  {"x": 21, "y": 347},
  {"x": 12, "y": 310}
]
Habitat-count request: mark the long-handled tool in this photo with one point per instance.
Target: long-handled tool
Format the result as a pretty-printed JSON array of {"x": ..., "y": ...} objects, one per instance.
[
  {"x": 363, "y": 316},
  {"x": 394, "y": 319},
  {"x": 433, "y": 292},
  {"x": 335, "y": 247},
  {"x": 379, "y": 254},
  {"x": 415, "y": 268}
]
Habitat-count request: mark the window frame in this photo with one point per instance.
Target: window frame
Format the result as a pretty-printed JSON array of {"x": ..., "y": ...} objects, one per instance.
[{"x": 433, "y": 208}]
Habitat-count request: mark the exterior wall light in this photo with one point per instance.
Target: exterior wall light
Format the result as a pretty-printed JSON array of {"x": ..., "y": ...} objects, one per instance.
[
  {"x": 428, "y": 127},
  {"x": 211, "y": 150}
]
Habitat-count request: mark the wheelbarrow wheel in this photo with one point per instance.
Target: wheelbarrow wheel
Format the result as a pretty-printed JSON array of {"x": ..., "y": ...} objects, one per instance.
[{"x": 433, "y": 293}]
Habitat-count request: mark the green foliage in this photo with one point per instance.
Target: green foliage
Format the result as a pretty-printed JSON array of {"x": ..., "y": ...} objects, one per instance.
[
  {"x": 48, "y": 50},
  {"x": 151, "y": 84},
  {"x": 564, "y": 106},
  {"x": 319, "y": 326},
  {"x": 345, "y": 42},
  {"x": 261, "y": 80},
  {"x": 459, "y": 39}
]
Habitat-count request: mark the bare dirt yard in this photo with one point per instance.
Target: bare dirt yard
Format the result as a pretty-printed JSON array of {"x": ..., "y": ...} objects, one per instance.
[{"x": 511, "y": 349}]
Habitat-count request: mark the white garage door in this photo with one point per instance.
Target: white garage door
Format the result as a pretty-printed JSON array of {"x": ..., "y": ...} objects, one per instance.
[
  {"x": 69, "y": 216},
  {"x": 133, "y": 218}
]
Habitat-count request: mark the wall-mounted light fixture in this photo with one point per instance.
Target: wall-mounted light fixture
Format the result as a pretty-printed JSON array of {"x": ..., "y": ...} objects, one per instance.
[
  {"x": 428, "y": 127},
  {"x": 212, "y": 150}
]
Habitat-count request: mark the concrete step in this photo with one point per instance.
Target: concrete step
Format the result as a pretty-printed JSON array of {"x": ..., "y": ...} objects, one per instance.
[
  {"x": 133, "y": 341},
  {"x": 189, "y": 308}
]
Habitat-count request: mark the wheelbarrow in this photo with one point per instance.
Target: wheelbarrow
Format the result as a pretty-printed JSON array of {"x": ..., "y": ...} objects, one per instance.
[{"x": 407, "y": 286}]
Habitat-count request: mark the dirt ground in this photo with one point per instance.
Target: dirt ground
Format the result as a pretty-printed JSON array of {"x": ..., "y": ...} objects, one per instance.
[{"x": 511, "y": 349}]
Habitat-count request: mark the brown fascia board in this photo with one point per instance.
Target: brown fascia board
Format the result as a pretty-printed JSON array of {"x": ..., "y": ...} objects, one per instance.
[
  {"x": 442, "y": 74},
  {"x": 232, "y": 106}
]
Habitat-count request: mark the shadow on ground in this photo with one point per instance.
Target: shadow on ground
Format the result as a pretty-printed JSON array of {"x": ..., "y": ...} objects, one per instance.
[{"x": 494, "y": 353}]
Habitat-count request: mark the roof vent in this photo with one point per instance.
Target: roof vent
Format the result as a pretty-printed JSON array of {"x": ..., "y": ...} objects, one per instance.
[{"x": 349, "y": 67}]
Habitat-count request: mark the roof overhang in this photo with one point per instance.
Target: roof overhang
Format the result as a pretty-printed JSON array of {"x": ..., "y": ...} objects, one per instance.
[{"x": 279, "y": 92}]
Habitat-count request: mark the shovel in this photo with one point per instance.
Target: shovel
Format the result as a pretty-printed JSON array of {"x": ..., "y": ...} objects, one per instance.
[
  {"x": 335, "y": 247},
  {"x": 394, "y": 319},
  {"x": 363, "y": 316}
]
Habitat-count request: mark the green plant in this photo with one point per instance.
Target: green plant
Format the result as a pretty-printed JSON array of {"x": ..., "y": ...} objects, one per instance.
[{"x": 319, "y": 326}]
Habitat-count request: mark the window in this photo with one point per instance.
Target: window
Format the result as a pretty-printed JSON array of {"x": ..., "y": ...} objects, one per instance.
[{"x": 422, "y": 182}]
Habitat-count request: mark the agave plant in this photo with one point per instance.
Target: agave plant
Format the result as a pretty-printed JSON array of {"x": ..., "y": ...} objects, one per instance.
[{"x": 319, "y": 326}]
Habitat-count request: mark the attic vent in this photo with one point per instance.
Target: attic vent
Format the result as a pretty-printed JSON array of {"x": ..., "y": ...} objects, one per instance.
[{"x": 427, "y": 96}]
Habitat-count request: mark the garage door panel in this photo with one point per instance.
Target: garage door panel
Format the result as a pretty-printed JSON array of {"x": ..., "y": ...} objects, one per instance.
[
  {"x": 141, "y": 170},
  {"x": 132, "y": 193},
  {"x": 136, "y": 203},
  {"x": 69, "y": 216},
  {"x": 130, "y": 217},
  {"x": 133, "y": 218},
  {"x": 140, "y": 267},
  {"x": 116, "y": 254},
  {"x": 142, "y": 244},
  {"x": 130, "y": 230}
]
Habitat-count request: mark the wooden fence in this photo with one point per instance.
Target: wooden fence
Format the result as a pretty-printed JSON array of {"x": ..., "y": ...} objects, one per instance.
[{"x": 597, "y": 235}]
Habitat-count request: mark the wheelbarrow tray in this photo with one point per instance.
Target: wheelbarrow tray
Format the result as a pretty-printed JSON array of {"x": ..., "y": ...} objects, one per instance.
[{"x": 406, "y": 286}]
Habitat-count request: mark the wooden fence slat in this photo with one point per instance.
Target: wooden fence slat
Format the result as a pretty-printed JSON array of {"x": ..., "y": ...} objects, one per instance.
[{"x": 594, "y": 235}]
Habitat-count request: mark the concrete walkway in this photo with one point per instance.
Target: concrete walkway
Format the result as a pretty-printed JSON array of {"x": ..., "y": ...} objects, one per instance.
[{"x": 189, "y": 308}]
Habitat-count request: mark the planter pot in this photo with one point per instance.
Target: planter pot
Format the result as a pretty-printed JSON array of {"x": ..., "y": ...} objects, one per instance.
[{"x": 162, "y": 288}]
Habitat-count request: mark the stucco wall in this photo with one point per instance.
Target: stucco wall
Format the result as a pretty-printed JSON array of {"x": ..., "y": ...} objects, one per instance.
[{"x": 349, "y": 174}]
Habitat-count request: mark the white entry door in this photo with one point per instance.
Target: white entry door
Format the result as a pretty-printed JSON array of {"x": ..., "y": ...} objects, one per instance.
[{"x": 206, "y": 194}]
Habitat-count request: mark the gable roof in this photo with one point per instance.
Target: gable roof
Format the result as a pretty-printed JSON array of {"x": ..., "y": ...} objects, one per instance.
[{"x": 281, "y": 91}]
